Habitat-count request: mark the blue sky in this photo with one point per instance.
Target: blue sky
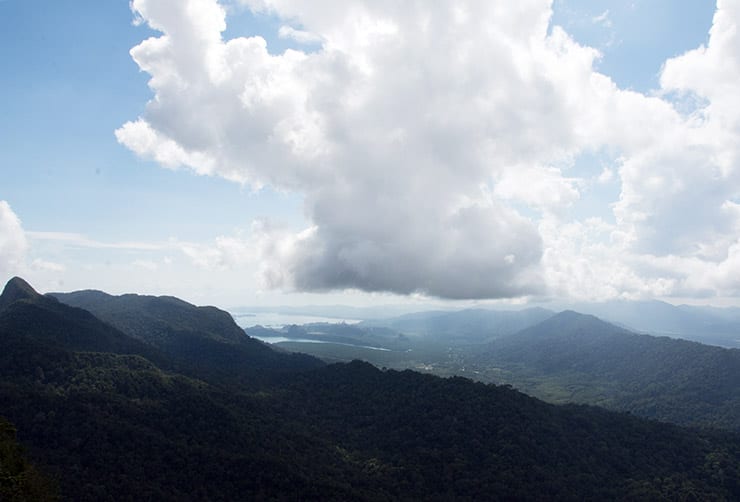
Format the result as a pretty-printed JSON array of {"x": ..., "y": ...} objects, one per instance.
[
  {"x": 69, "y": 84},
  {"x": 636, "y": 37},
  {"x": 93, "y": 212}
]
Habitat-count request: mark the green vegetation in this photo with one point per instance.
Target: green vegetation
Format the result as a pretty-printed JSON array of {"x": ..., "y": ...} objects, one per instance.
[
  {"x": 567, "y": 358},
  {"x": 202, "y": 342},
  {"x": 19, "y": 480},
  {"x": 112, "y": 425},
  {"x": 578, "y": 358},
  {"x": 463, "y": 327}
]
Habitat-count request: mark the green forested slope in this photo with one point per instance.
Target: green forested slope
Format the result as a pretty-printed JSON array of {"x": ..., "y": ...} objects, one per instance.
[
  {"x": 204, "y": 341},
  {"x": 575, "y": 357},
  {"x": 19, "y": 480},
  {"x": 116, "y": 426}
]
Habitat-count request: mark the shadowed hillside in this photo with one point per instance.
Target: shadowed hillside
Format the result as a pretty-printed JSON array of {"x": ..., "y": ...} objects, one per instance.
[
  {"x": 119, "y": 426},
  {"x": 204, "y": 340}
]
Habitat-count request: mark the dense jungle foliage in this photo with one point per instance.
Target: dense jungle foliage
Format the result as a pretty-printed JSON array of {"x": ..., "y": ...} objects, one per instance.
[{"x": 111, "y": 421}]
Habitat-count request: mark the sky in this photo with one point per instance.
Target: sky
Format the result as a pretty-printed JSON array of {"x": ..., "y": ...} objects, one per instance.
[{"x": 287, "y": 152}]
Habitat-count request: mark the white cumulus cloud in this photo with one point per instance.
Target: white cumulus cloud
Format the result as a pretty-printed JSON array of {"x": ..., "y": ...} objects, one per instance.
[
  {"x": 300, "y": 36},
  {"x": 432, "y": 142},
  {"x": 680, "y": 190}
]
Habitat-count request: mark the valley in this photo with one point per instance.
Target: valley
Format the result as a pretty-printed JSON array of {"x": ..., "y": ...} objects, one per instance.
[
  {"x": 146, "y": 397},
  {"x": 561, "y": 358}
]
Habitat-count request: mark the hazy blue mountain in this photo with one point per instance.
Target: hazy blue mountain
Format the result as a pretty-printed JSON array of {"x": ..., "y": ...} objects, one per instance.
[
  {"x": 714, "y": 326},
  {"x": 464, "y": 326},
  {"x": 205, "y": 339},
  {"x": 429, "y": 340},
  {"x": 711, "y": 325},
  {"x": 724, "y": 313},
  {"x": 582, "y": 358}
]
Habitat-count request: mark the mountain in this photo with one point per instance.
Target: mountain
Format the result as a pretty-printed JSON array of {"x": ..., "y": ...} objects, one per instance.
[
  {"x": 715, "y": 326},
  {"x": 108, "y": 415},
  {"x": 118, "y": 426},
  {"x": 205, "y": 340},
  {"x": 464, "y": 326},
  {"x": 468, "y": 440},
  {"x": 576, "y": 357},
  {"x": 15, "y": 290},
  {"x": 429, "y": 341},
  {"x": 156, "y": 320},
  {"x": 353, "y": 432},
  {"x": 30, "y": 321}
]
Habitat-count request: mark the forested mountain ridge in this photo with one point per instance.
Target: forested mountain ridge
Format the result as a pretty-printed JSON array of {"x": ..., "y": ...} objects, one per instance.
[
  {"x": 203, "y": 339},
  {"x": 154, "y": 318},
  {"x": 582, "y": 358},
  {"x": 475, "y": 439},
  {"x": 28, "y": 319},
  {"x": 118, "y": 426}
]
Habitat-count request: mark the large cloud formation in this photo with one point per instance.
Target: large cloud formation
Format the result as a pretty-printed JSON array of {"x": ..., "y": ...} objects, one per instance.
[{"x": 431, "y": 140}]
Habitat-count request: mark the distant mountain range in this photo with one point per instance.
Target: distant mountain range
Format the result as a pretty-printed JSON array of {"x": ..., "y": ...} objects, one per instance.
[
  {"x": 572, "y": 357},
  {"x": 465, "y": 326},
  {"x": 710, "y": 325},
  {"x": 116, "y": 410},
  {"x": 564, "y": 357}
]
